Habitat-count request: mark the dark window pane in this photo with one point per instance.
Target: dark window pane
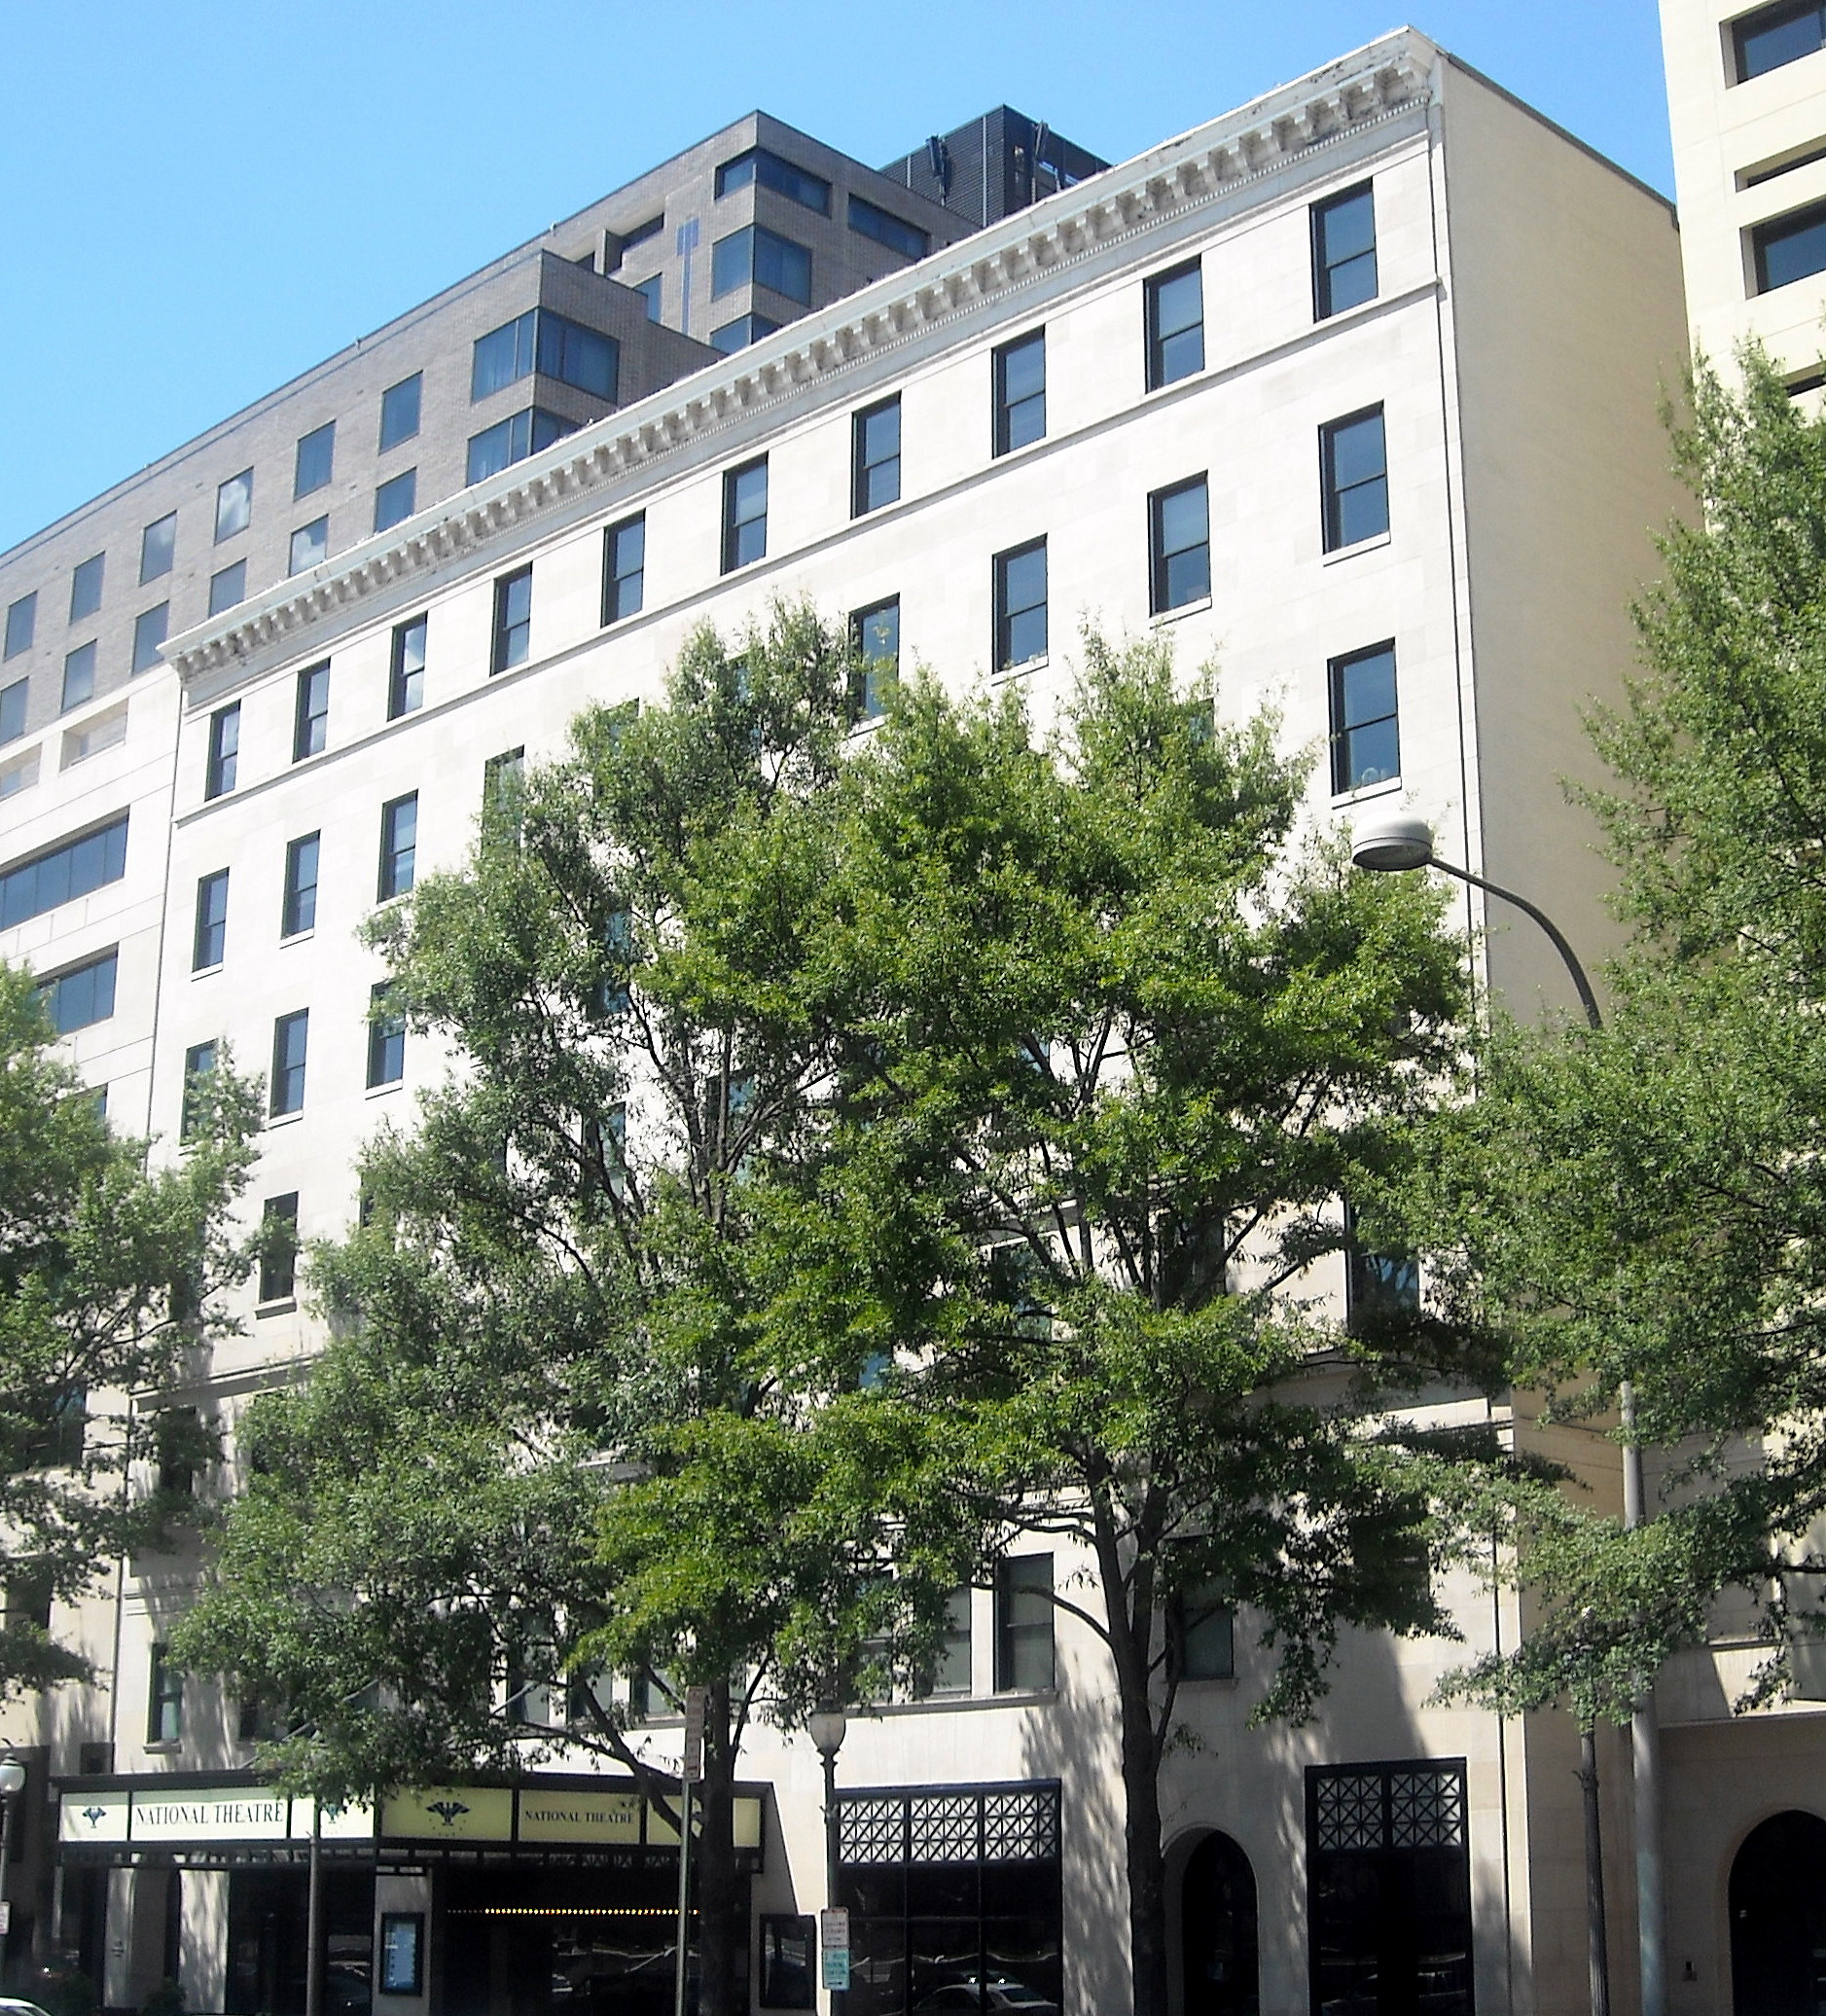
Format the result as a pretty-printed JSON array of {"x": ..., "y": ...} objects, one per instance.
[
  {"x": 1789, "y": 249},
  {"x": 502, "y": 357},
  {"x": 291, "y": 1036},
  {"x": 740, "y": 334},
  {"x": 1175, "y": 326},
  {"x": 12, "y": 701},
  {"x": 200, "y": 1060},
  {"x": 228, "y": 588},
  {"x": 1343, "y": 252},
  {"x": 315, "y": 460},
  {"x": 1024, "y": 1622},
  {"x": 396, "y": 499},
  {"x": 886, "y": 229},
  {"x": 149, "y": 635},
  {"x": 1020, "y": 605},
  {"x": 225, "y": 747},
  {"x": 86, "y": 587},
  {"x": 1355, "y": 464},
  {"x": 398, "y": 411},
  {"x": 387, "y": 1041},
  {"x": 623, "y": 569},
  {"x": 79, "y": 677},
  {"x": 576, "y": 355},
  {"x": 406, "y": 682},
  {"x": 158, "y": 548},
  {"x": 311, "y": 723},
  {"x": 765, "y": 257},
  {"x": 773, "y": 172},
  {"x": 1180, "y": 533},
  {"x": 81, "y": 997},
  {"x": 744, "y": 516},
  {"x": 399, "y": 846},
  {"x": 63, "y": 872},
  {"x": 1365, "y": 747},
  {"x": 1021, "y": 392},
  {"x": 298, "y": 910},
  {"x": 309, "y": 544},
  {"x": 279, "y": 1248},
  {"x": 513, "y": 618},
  {"x": 650, "y": 291},
  {"x": 877, "y": 473},
  {"x": 875, "y": 635},
  {"x": 210, "y": 938},
  {"x": 21, "y": 620},
  {"x": 1774, "y": 36}
]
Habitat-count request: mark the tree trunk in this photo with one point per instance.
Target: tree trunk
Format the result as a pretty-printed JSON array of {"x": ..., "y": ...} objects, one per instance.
[
  {"x": 722, "y": 1930},
  {"x": 1141, "y": 1842}
]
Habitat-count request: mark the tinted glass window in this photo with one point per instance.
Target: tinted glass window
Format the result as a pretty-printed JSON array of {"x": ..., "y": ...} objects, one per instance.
[
  {"x": 82, "y": 996},
  {"x": 1180, "y": 537},
  {"x": 291, "y": 1037},
  {"x": 576, "y": 355},
  {"x": 79, "y": 677},
  {"x": 234, "y": 505},
  {"x": 1175, "y": 319},
  {"x": 12, "y": 701},
  {"x": 1020, "y": 605},
  {"x": 399, "y": 846},
  {"x": 310, "y": 725},
  {"x": 1021, "y": 392},
  {"x": 744, "y": 515},
  {"x": 1024, "y": 1622},
  {"x": 740, "y": 333},
  {"x": 1343, "y": 252},
  {"x": 1366, "y": 746},
  {"x": 502, "y": 357},
  {"x": 870, "y": 221},
  {"x": 398, "y": 411},
  {"x": 86, "y": 587},
  {"x": 228, "y": 588},
  {"x": 1776, "y": 35},
  {"x": 225, "y": 745},
  {"x": 1790, "y": 248},
  {"x": 396, "y": 499},
  {"x": 650, "y": 291},
  {"x": 315, "y": 460},
  {"x": 21, "y": 620},
  {"x": 513, "y": 618},
  {"x": 405, "y": 683},
  {"x": 278, "y": 1243},
  {"x": 387, "y": 1040},
  {"x": 209, "y": 940},
  {"x": 150, "y": 628},
  {"x": 765, "y": 257},
  {"x": 158, "y": 548},
  {"x": 1354, "y": 464},
  {"x": 309, "y": 544},
  {"x": 876, "y": 472},
  {"x": 63, "y": 872},
  {"x": 773, "y": 172},
  {"x": 298, "y": 910},
  {"x": 623, "y": 569}
]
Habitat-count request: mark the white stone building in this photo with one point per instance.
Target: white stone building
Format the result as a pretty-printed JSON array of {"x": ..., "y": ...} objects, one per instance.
[{"x": 1390, "y": 345}]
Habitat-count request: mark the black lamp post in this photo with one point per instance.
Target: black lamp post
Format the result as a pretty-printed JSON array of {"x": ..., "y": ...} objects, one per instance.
[{"x": 828, "y": 1726}]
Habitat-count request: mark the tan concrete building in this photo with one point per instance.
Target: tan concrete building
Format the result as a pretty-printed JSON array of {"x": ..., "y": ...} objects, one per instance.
[{"x": 1394, "y": 344}]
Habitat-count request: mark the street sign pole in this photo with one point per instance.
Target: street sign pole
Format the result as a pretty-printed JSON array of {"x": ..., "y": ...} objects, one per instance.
[{"x": 690, "y": 1773}]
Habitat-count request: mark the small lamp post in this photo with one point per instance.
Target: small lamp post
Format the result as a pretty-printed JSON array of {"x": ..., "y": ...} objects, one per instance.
[
  {"x": 826, "y": 1727},
  {"x": 12, "y": 1785},
  {"x": 1395, "y": 845}
]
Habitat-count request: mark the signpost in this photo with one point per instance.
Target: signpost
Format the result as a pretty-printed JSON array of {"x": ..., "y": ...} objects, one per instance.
[
  {"x": 833, "y": 1946},
  {"x": 690, "y": 1773}
]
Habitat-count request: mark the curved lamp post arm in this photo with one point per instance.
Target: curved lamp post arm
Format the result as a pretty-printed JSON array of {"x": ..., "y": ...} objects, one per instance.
[{"x": 1588, "y": 1000}]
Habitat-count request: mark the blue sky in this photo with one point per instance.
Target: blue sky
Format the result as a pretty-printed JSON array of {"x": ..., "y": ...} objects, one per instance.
[{"x": 199, "y": 199}]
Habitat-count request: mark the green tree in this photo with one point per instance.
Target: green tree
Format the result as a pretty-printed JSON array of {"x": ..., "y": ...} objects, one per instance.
[
  {"x": 108, "y": 1277},
  {"x": 1120, "y": 1044},
  {"x": 566, "y": 1418},
  {"x": 1648, "y": 1203}
]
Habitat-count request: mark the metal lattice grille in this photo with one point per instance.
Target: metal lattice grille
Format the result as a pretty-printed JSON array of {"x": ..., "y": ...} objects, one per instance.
[
  {"x": 1351, "y": 1811},
  {"x": 1425, "y": 1810},
  {"x": 872, "y": 1830},
  {"x": 1004, "y": 1823}
]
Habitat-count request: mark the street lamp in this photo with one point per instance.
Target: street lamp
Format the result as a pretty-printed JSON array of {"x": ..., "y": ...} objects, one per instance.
[
  {"x": 1397, "y": 845},
  {"x": 826, "y": 1727}
]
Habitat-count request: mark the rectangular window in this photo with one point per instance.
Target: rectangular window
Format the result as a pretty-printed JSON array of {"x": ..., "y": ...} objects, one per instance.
[
  {"x": 1775, "y": 36},
  {"x": 210, "y": 935},
  {"x": 1353, "y": 464},
  {"x": 1377, "y": 1284},
  {"x": 399, "y": 846},
  {"x": 398, "y": 411},
  {"x": 314, "y": 463},
  {"x": 578, "y": 356},
  {"x": 639, "y": 234},
  {"x": 406, "y": 679},
  {"x": 513, "y": 439},
  {"x": 234, "y": 505},
  {"x": 754, "y": 254},
  {"x": 624, "y": 568},
  {"x": 62, "y": 872},
  {"x": 868, "y": 220},
  {"x": 744, "y": 515},
  {"x": 503, "y": 786},
  {"x": 1343, "y": 252},
  {"x": 396, "y": 499},
  {"x": 874, "y": 474},
  {"x": 1366, "y": 746},
  {"x": 1179, "y": 545},
  {"x": 789, "y": 1961},
  {"x": 200, "y": 1060},
  {"x": 165, "y": 1700},
  {"x": 513, "y": 620},
  {"x": 227, "y": 587},
  {"x": 19, "y": 775},
  {"x": 1201, "y": 1633},
  {"x": 1021, "y": 392},
  {"x": 738, "y": 334},
  {"x": 225, "y": 746},
  {"x": 149, "y": 635},
  {"x": 86, "y": 587},
  {"x": 502, "y": 357},
  {"x": 1789, "y": 248},
  {"x": 311, "y": 712},
  {"x": 158, "y": 548},
  {"x": 291, "y": 1039},
  {"x": 650, "y": 291},
  {"x": 21, "y": 621},
  {"x": 83, "y": 995},
  {"x": 1176, "y": 325},
  {"x": 279, "y": 1248},
  {"x": 12, "y": 701},
  {"x": 298, "y": 905},
  {"x": 951, "y": 1669},
  {"x": 1020, "y": 605},
  {"x": 875, "y": 637},
  {"x": 1023, "y": 1623},
  {"x": 309, "y": 544},
  {"x": 79, "y": 677},
  {"x": 811, "y": 192},
  {"x": 387, "y": 1040}
]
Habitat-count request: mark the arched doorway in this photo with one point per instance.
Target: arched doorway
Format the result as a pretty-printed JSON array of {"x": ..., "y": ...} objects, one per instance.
[
  {"x": 1778, "y": 1919},
  {"x": 1217, "y": 1922}
]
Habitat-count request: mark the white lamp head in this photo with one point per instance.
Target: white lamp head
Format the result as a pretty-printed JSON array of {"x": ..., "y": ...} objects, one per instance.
[
  {"x": 827, "y": 1728},
  {"x": 11, "y": 1778},
  {"x": 1392, "y": 845}
]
